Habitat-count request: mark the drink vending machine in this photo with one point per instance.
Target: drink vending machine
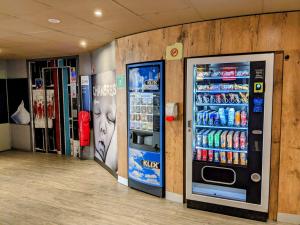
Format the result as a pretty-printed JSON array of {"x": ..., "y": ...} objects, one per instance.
[
  {"x": 145, "y": 101},
  {"x": 228, "y": 134}
]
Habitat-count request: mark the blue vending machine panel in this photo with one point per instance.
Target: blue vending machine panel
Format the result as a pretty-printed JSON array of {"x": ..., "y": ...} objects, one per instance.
[
  {"x": 144, "y": 167},
  {"x": 145, "y": 100}
]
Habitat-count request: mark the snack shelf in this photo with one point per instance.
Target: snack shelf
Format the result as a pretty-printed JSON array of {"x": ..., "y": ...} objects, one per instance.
[
  {"x": 222, "y": 78},
  {"x": 222, "y": 91},
  {"x": 222, "y": 127},
  {"x": 223, "y": 149},
  {"x": 222, "y": 104}
]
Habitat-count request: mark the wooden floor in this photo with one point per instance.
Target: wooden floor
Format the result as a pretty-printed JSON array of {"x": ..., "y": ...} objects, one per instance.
[{"x": 40, "y": 189}]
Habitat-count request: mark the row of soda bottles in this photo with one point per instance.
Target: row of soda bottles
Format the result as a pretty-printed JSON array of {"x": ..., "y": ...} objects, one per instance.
[
  {"x": 222, "y": 139},
  {"x": 236, "y": 158},
  {"x": 224, "y": 117}
]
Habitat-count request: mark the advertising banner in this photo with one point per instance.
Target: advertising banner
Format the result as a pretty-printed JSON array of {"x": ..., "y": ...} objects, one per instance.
[
  {"x": 104, "y": 119},
  {"x": 39, "y": 113},
  {"x": 144, "y": 166},
  {"x": 86, "y": 93}
]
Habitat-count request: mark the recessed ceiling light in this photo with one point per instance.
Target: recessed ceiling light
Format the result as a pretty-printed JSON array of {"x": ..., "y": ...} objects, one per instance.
[
  {"x": 54, "y": 20},
  {"x": 98, "y": 13},
  {"x": 83, "y": 44}
]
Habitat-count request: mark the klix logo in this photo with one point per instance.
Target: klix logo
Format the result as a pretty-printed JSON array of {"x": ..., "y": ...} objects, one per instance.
[{"x": 149, "y": 164}]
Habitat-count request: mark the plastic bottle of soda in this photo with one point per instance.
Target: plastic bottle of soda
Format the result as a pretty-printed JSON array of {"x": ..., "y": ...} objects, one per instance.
[
  {"x": 222, "y": 116},
  {"x": 244, "y": 120},
  {"x": 236, "y": 140},
  {"x": 237, "y": 118},
  {"x": 243, "y": 141},
  {"x": 231, "y": 115}
]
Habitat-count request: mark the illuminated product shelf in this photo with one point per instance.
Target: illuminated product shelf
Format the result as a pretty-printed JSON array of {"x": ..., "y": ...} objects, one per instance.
[
  {"x": 222, "y": 104},
  {"x": 222, "y": 127},
  {"x": 222, "y": 91},
  {"x": 223, "y": 78},
  {"x": 223, "y": 149}
]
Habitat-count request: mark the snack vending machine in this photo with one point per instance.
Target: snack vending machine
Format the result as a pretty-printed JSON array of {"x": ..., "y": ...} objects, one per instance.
[
  {"x": 145, "y": 100},
  {"x": 228, "y": 134}
]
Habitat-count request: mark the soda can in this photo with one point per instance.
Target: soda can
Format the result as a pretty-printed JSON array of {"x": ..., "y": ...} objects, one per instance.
[
  {"x": 217, "y": 119},
  {"x": 223, "y": 157},
  {"x": 223, "y": 139},
  {"x": 243, "y": 141},
  {"x": 229, "y": 157},
  {"x": 235, "y": 158},
  {"x": 205, "y": 117},
  {"x": 244, "y": 120},
  {"x": 204, "y": 155},
  {"x": 229, "y": 139},
  {"x": 210, "y": 155},
  {"x": 211, "y": 139},
  {"x": 236, "y": 140},
  {"x": 211, "y": 117},
  {"x": 199, "y": 154},
  {"x": 217, "y": 138},
  {"x": 243, "y": 159},
  {"x": 237, "y": 119},
  {"x": 216, "y": 156},
  {"x": 231, "y": 115}
]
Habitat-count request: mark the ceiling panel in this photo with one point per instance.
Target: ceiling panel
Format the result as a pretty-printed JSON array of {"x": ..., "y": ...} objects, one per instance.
[
  {"x": 20, "y": 26},
  {"x": 25, "y": 30},
  {"x": 141, "y": 7},
  {"x": 280, "y": 5},
  {"x": 21, "y": 7},
  {"x": 92, "y": 32},
  {"x": 213, "y": 9},
  {"x": 172, "y": 18}
]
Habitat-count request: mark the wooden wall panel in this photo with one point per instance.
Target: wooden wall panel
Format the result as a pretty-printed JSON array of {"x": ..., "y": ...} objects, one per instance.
[
  {"x": 259, "y": 33},
  {"x": 289, "y": 177},
  {"x": 121, "y": 119},
  {"x": 238, "y": 34},
  {"x": 174, "y": 77},
  {"x": 276, "y": 134}
]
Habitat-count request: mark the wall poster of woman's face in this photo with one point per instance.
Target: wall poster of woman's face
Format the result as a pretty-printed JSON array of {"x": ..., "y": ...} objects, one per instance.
[{"x": 104, "y": 119}]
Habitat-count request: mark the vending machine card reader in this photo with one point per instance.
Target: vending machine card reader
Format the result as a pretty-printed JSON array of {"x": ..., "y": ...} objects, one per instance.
[{"x": 145, "y": 98}]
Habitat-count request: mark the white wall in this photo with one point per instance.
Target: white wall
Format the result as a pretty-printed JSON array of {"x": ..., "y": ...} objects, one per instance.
[
  {"x": 85, "y": 66},
  {"x": 16, "y": 69},
  {"x": 20, "y": 134},
  {"x": 103, "y": 59},
  {"x": 5, "y": 141}
]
